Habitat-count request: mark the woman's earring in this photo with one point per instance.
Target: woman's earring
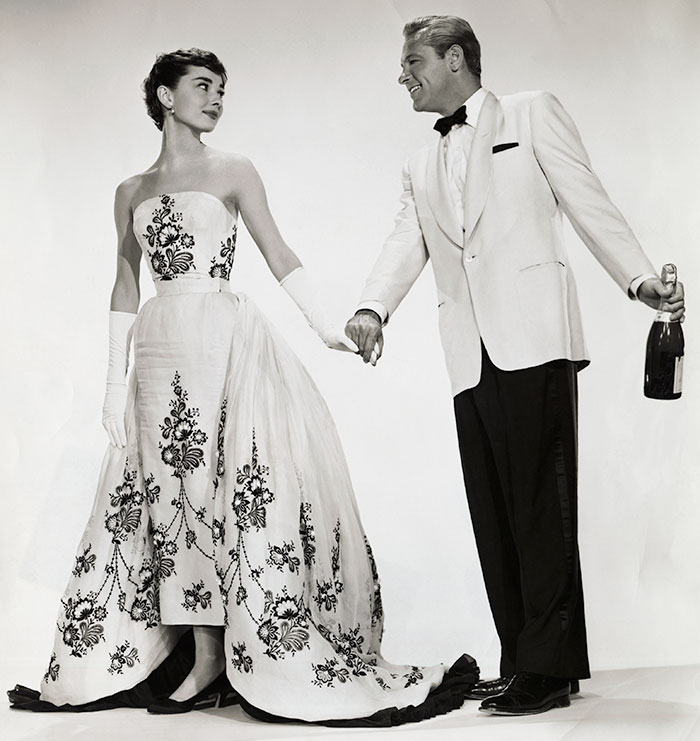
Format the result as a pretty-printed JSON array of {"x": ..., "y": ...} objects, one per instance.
[{"x": 172, "y": 111}]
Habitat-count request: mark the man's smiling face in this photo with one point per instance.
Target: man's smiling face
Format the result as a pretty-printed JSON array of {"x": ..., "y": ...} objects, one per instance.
[{"x": 427, "y": 77}]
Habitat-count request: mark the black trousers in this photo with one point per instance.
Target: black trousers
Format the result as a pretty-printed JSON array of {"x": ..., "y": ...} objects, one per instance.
[{"x": 518, "y": 443}]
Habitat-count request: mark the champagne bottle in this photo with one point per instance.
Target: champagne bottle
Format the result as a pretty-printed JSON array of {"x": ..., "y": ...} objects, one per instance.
[{"x": 663, "y": 373}]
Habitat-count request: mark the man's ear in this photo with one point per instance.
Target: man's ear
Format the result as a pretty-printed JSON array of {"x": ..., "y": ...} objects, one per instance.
[{"x": 455, "y": 57}]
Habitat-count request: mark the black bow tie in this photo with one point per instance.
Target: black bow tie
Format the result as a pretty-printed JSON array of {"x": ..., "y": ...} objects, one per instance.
[{"x": 443, "y": 125}]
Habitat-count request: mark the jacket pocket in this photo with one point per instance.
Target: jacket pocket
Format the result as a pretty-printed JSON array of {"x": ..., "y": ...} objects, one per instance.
[
  {"x": 502, "y": 147},
  {"x": 542, "y": 265},
  {"x": 542, "y": 292}
]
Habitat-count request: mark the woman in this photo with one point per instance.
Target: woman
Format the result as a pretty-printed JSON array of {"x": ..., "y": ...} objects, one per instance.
[{"x": 224, "y": 504}]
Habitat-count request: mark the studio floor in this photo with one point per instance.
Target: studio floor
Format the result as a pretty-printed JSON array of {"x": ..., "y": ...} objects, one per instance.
[{"x": 659, "y": 704}]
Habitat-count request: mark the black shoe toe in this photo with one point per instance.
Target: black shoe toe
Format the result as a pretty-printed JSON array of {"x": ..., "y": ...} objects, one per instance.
[
  {"x": 487, "y": 688},
  {"x": 528, "y": 694}
]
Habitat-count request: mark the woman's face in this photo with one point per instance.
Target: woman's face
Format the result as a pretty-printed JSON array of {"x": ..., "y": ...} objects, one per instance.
[{"x": 198, "y": 99}]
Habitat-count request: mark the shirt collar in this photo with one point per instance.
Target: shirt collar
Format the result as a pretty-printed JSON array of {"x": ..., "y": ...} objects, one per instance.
[{"x": 473, "y": 105}]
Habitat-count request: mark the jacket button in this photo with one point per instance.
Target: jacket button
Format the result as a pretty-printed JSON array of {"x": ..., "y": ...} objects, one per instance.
[{"x": 469, "y": 258}]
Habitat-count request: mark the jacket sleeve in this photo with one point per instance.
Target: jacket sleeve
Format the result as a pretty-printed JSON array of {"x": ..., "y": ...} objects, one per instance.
[
  {"x": 402, "y": 258},
  {"x": 564, "y": 162}
]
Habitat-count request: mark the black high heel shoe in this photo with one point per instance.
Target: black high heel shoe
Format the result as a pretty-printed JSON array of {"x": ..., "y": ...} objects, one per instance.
[{"x": 219, "y": 694}]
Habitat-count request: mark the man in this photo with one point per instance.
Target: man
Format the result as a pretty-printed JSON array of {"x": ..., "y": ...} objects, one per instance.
[{"x": 485, "y": 203}]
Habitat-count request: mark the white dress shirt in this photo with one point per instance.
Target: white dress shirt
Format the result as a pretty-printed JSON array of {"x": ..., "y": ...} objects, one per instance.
[{"x": 456, "y": 145}]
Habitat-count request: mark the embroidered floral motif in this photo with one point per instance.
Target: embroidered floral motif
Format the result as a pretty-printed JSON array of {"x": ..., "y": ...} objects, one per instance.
[
  {"x": 348, "y": 647},
  {"x": 169, "y": 256},
  {"x": 306, "y": 533},
  {"x": 151, "y": 490},
  {"x": 220, "y": 453},
  {"x": 413, "y": 677},
  {"x": 82, "y": 629},
  {"x": 123, "y": 657},
  {"x": 240, "y": 659},
  {"x": 381, "y": 683},
  {"x": 250, "y": 498},
  {"x": 182, "y": 451},
  {"x": 335, "y": 559},
  {"x": 218, "y": 531},
  {"x": 53, "y": 670},
  {"x": 82, "y": 626},
  {"x": 326, "y": 593},
  {"x": 280, "y": 556},
  {"x": 325, "y": 596},
  {"x": 376, "y": 593},
  {"x": 128, "y": 503},
  {"x": 327, "y": 673},
  {"x": 196, "y": 597},
  {"x": 283, "y": 625},
  {"x": 223, "y": 268},
  {"x": 284, "y": 629},
  {"x": 85, "y": 562}
]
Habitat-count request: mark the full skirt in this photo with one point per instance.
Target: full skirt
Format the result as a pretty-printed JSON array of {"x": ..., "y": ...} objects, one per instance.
[{"x": 230, "y": 505}]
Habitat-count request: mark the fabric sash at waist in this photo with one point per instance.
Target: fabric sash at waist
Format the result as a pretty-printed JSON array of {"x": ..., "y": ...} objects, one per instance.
[{"x": 191, "y": 284}]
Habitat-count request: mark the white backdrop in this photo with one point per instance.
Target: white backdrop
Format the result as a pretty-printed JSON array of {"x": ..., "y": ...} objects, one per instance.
[{"x": 312, "y": 99}]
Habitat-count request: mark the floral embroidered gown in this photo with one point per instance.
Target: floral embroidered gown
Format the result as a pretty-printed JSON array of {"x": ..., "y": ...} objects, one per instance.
[{"x": 230, "y": 505}]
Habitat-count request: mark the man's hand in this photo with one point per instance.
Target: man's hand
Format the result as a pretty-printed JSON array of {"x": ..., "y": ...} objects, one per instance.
[
  {"x": 663, "y": 298},
  {"x": 365, "y": 330}
]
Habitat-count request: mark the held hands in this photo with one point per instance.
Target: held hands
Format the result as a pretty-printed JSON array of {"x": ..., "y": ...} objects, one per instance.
[
  {"x": 663, "y": 298},
  {"x": 365, "y": 330},
  {"x": 335, "y": 338}
]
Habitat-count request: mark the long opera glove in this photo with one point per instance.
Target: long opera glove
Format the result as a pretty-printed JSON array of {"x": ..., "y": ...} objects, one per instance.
[
  {"x": 114, "y": 407},
  {"x": 302, "y": 291}
]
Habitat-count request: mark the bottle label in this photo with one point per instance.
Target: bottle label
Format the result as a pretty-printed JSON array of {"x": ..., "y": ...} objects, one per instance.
[{"x": 678, "y": 375}]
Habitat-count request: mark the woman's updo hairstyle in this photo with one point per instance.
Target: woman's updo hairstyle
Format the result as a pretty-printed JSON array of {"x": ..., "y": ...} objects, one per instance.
[{"x": 168, "y": 70}]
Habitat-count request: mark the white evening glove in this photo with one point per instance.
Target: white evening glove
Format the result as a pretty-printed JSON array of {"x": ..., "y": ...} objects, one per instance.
[
  {"x": 114, "y": 406},
  {"x": 302, "y": 291}
]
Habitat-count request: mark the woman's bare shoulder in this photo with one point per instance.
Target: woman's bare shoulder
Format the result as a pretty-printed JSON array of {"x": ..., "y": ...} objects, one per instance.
[
  {"x": 128, "y": 189},
  {"x": 233, "y": 172},
  {"x": 230, "y": 162}
]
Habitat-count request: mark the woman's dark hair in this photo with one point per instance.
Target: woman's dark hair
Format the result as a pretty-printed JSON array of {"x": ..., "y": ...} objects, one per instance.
[
  {"x": 168, "y": 70},
  {"x": 443, "y": 31}
]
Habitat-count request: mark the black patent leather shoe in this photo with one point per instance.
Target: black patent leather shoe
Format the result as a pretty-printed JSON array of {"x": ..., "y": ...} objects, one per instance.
[
  {"x": 529, "y": 694},
  {"x": 218, "y": 694},
  {"x": 487, "y": 688},
  {"x": 490, "y": 687}
]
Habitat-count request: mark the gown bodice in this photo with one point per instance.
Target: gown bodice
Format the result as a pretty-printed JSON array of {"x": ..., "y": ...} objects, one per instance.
[{"x": 186, "y": 234}]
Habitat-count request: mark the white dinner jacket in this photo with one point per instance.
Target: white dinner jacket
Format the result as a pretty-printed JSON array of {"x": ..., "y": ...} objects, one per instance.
[{"x": 504, "y": 278}]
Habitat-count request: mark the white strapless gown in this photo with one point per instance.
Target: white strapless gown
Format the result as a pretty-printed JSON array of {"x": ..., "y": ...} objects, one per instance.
[{"x": 231, "y": 505}]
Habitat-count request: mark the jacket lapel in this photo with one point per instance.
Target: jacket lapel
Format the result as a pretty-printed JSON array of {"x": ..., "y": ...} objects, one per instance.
[
  {"x": 438, "y": 192},
  {"x": 480, "y": 165}
]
